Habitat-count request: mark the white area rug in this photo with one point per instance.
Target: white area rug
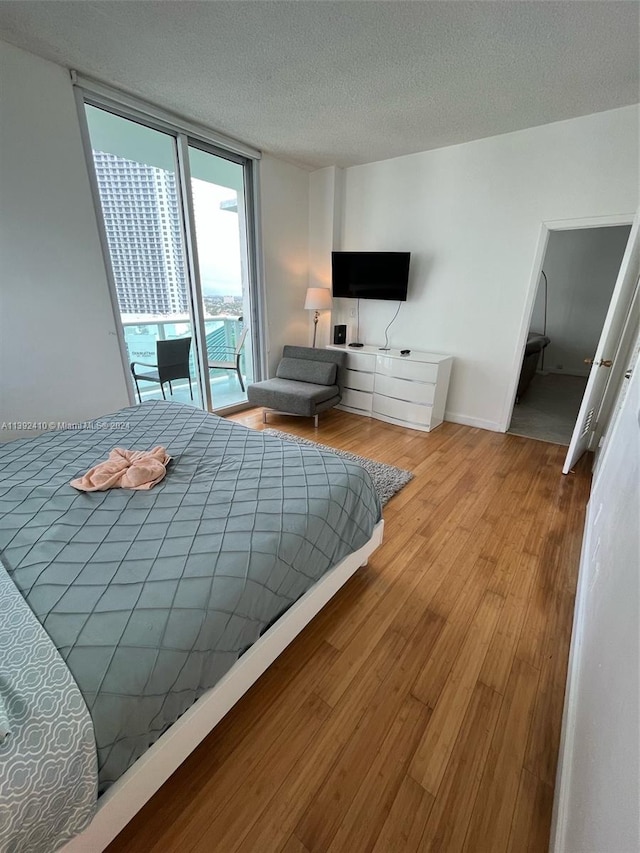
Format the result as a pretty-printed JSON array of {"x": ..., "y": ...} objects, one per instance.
[{"x": 387, "y": 479}]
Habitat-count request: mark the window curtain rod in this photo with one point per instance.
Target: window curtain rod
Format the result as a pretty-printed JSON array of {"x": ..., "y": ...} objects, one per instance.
[{"x": 163, "y": 119}]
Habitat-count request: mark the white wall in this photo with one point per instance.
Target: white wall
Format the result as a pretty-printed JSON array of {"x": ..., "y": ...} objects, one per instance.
[
  {"x": 471, "y": 216},
  {"x": 581, "y": 268},
  {"x": 284, "y": 202},
  {"x": 59, "y": 355}
]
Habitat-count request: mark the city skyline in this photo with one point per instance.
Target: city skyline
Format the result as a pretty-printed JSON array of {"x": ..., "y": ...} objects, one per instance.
[{"x": 142, "y": 223}]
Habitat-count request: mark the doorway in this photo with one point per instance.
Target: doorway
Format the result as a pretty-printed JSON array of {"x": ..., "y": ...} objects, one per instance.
[{"x": 577, "y": 279}]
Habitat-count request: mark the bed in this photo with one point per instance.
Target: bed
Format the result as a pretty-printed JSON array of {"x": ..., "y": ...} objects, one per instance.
[{"x": 162, "y": 607}]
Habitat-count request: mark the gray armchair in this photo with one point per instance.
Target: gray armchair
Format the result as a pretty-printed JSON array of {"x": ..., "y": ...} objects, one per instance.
[{"x": 308, "y": 381}]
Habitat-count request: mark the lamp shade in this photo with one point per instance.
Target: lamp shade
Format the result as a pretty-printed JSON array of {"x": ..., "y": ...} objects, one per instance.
[{"x": 318, "y": 299}]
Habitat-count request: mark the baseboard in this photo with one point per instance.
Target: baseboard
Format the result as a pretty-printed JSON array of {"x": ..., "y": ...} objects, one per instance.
[{"x": 467, "y": 420}]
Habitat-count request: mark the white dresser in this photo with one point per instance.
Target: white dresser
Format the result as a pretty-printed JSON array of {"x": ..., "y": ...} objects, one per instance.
[{"x": 409, "y": 390}]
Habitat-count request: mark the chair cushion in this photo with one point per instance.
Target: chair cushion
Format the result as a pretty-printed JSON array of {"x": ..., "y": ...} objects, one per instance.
[
  {"x": 288, "y": 395},
  {"x": 305, "y": 370}
]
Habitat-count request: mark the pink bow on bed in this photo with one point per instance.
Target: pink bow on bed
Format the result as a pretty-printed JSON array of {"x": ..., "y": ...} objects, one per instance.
[{"x": 125, "y": 469}]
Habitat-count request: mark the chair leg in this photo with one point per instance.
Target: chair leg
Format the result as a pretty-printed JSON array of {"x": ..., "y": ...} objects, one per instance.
[
  {"x": 162, "y": 389},
  {"x": 315, "y": 421},
  {"x": 170, "y": 388},
  {"x": 264, "y": 416},
  {"x": 138, "y": 390},
  {"x": 190, "y": 388}
]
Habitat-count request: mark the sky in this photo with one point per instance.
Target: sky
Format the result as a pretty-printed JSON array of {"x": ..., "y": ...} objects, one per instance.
[{"x": 218, "y": 238}]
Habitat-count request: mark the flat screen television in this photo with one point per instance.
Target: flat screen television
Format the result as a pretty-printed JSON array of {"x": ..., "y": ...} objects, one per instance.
[{"x": 370, "y": 275}]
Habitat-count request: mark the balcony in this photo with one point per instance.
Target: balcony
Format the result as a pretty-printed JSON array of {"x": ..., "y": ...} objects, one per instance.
[{"x": 141, "y": 334}]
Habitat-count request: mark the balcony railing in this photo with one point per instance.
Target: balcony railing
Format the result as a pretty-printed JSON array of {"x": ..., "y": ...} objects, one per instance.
[{"x": 142, "y": 332}]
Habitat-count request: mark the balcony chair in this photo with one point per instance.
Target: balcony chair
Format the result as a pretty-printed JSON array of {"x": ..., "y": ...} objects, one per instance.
[
  {"x": 308, "y": 381},
  {"x": 227, "y": 358},
  {"x": 172, "y": 363}
]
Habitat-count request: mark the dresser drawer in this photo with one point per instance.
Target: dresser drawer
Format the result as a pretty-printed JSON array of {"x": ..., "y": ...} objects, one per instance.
[
  {"x": 410, "y": 413},
  {"x": 405, "y": 389},
  {"x": 361, "y": 361},
  {"x": 418, "y": 371},
  {"x": 360, "y": 400},
  {"x": 359, "y": 380}
]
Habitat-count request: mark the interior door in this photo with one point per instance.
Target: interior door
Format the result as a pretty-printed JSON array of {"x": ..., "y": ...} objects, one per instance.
[
  {"x": 620, "y": 372},
  {"x": 607, "y": 349}
]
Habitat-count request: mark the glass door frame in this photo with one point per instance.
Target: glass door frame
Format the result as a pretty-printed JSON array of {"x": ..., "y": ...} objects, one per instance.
[
  {"x": 184, "y": 134},
  {"x": 247, "y": 249}
]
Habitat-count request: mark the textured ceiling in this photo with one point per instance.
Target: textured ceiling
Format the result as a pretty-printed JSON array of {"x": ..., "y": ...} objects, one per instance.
[{"x": 321, "y": 83}]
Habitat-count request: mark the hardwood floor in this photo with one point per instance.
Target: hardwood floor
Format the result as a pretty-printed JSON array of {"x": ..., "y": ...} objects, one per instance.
[{"x": 421, "y": 709}]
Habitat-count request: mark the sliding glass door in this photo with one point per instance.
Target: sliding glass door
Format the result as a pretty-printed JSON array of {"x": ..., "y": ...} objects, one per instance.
[
  {"x": 218, "y": 193},
  {"x": 176, "y": 228}
]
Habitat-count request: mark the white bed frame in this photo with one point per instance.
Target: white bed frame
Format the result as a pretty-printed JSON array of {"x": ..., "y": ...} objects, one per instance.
[{"x": 127, "y": 796}]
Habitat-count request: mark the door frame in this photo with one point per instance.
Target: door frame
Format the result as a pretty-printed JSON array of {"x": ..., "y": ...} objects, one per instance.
[
  {"x": 80, "y": 99},
  {"x": 546, "y": 228}
]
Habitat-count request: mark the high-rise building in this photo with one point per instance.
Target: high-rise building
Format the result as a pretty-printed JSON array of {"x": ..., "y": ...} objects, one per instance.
[{"x": 141, "y": 218}]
